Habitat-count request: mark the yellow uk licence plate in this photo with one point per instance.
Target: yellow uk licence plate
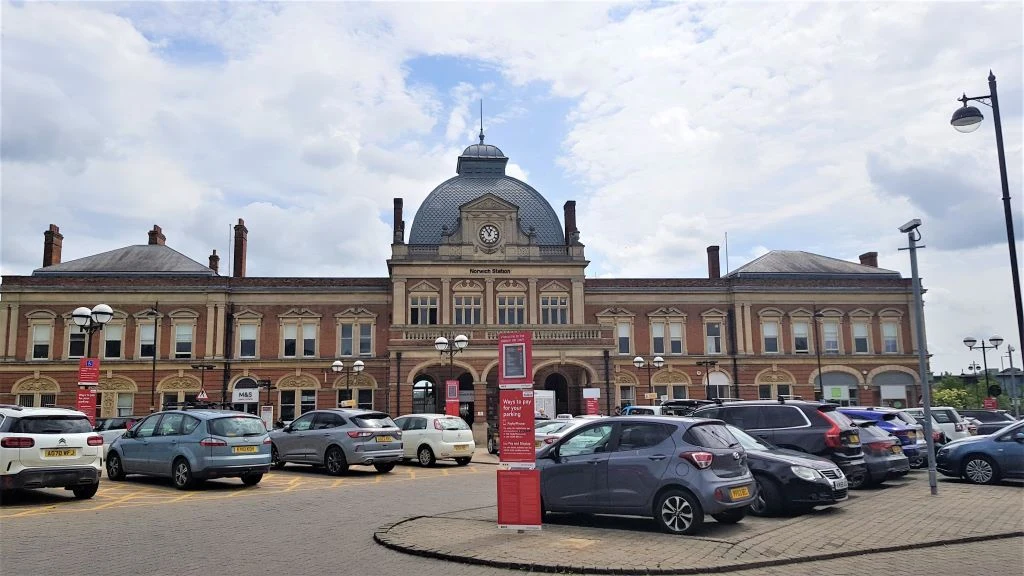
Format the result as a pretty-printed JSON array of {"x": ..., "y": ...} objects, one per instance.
[
  {"x": 896, "y": 450},
  {"x": 854, "y": 439},
  {"x": 539, "y": 443},
  {"x": 739, "y": 493},
  {"x": 60, "y": 452},
  {"x": 245, "y": 449},
  {"x": 461, "y": 447},
  {"x": 385, "y": 439}
]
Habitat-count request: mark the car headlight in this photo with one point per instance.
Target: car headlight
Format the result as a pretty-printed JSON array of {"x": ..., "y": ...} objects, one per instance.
[{"x": 805, "y": 472}]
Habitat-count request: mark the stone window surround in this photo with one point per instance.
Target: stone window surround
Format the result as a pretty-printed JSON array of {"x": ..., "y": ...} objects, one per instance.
[
  {"x": 357, "y": 317},
  {"x": 299, "y": 317},
  {"x": 865, "y": 317},
  {"x": 807, "y": 317},
  {"x": 713, "y": 316},
  {"x": 669, "y": 316},
  {"x": 468, "y": 289},
  {"x": 891, "y": 315},
  {"x": 513, "y": 289},
  {"x": 39, "y": 318},
  {"x": 144, "y": 318},
  {"x": 424, "y": 289},
  {"x": 120, "y": 319},
  {"x": 247, "y": 317},
  {"x": 183, "y": 317},
  {"x": 773, "y": 315},
  {"x": 831, "y": 315}
]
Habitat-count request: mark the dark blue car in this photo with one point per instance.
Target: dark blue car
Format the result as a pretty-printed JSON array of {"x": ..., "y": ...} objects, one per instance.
[
  {"x": 890, "y": 423},
  {"x": 985, "y": 459}
]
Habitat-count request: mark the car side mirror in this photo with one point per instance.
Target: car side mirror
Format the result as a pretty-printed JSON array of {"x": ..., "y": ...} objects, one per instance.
[{"x": 1019, "y": 437}]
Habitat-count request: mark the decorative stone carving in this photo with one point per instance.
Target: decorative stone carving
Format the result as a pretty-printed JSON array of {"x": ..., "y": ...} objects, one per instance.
[
  {"x": 625, "y": 378},
  {"x": 178, "y": 384},
  {"x": 668, "y": 311},
  {"x": 116, "y": 384},
  {"x": 298, "y": 381},
  {"x": 41, "y": 384},
  {"x": 670, "y": 377},
  {"x": 299, "y": 313},
  {"x": 511, "y": 285},
  {"x": 355, "y": 312},
  {"x": 615, "y": 311},
  {"x": 468, "y": 285},
  {"x": 354, "y": 381}
]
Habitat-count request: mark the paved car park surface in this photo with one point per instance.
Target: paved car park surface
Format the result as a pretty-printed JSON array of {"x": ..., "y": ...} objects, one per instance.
[{"x": 300, "y": 521}]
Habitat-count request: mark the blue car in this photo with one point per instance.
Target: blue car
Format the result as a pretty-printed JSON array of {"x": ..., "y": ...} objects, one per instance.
[
  {"x": 190, "y": 446},
  {"x": 985, "y": 459},
  {"x": 889, "y": 422}
]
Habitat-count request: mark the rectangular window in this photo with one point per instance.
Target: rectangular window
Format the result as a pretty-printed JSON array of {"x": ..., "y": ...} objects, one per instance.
[
  {"x": 247, "y": 341},
  {"x": 147, "y": 340},
  {"x": 679, "y": 393},
  {"x": 47, "y": 400},
  {"x": 771, "y": 337},
  {"x": 291, "y": 332},
  {"x": 76, "y": 342},
  {"x": 675, "y": 336},
  {"x": 309, "y": 340},
  {"x": 27, "y": 400},
  {"x": 182, "y": 340},
  {"x": 627, "y": 396},
  {"x": 764, "y": 391},
  {"x": 623, "y": 335},
  {"x": 41, "y": 341},
  {"x": 346, "y": 339},
  {"x": 365, "y": 339},
  {"x": 713, "y": 333},
  {"x": 468, "y": 310},
  {"x": 831, "y": 330},
  {"x": 889, "y": 337},
  {"x": 423, "y": 310},
  {"x": 364, "y": 398},
  {"x": 125, "y": 404},
  {"x": 554, "y": 309},
  {"x": 287, "y": 405},
  {"x": 511, "y": 310},
  {"x": 661, "y": 391},
  {"x": 658, "y": 338},
  {"x": 112, "y": 341},
  {"x": 800, "y": 338},
  {"x": 860, "y": 338},
  {"x": 307, "y": 401}
]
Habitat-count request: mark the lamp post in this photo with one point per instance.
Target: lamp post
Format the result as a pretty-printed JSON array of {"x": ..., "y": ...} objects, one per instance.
[
  {"x": 708, "y": 365},
  {"x": 450, "y": 348},
  {"x": 973, "y": 368},
  {"x": 968, "y": 119},
  {"x": 1014, "y": 390},
  {"x": 994, "y": 343},
  {"x": 155, "y": 314},
  {"x": 338, "y": 367},
  {"x": 90, "y": 321},
  {"x": 817, "y": 352},
  {"x": 656, "y": 362},
  {"x": 202, "y": 379}
]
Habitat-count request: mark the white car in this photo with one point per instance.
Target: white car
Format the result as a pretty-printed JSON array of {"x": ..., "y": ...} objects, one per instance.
[
  {"x": 950, "y": 421},
  {"x": 430, "y": 437},
  {"x": 49, "y": 448}
]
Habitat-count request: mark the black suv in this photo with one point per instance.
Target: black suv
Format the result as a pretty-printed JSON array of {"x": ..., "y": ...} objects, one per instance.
[
  {"x": 811, "y": 427},
  {"x": 991, "y": 420}
]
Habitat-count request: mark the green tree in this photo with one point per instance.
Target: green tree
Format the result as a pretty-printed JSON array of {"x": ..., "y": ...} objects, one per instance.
[{"x": 953, "y": 397}]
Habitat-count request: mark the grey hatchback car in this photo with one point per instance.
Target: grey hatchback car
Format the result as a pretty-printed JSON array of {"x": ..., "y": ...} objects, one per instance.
[
  {"x": 337, "y": 438},
  {"x": 674, "y": 469},
  {"x": 190, "y": 446}
]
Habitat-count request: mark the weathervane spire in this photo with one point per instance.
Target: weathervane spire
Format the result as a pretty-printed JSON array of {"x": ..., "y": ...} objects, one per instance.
[{"x": 481, "y": 120}]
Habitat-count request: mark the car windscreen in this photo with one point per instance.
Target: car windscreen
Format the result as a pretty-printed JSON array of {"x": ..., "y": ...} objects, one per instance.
[
  {"x": 907, "y": 418},
  {"x": 710, "y": 436},
  {"x": 550, "y": 427},
  {"x": 453, "y": 424},
  {"x": 52, "y": 425},
  {"x": 839, "y": 418},
  {"x": 374, "y": 420},
  {"x": 234, "y": 426}
]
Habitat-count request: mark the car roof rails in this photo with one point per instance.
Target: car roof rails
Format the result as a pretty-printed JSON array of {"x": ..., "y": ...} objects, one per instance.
[
  {"x": 193, "y": 406},
  {"x": 725, "y": 399},
  {"x": 12, "y": 406}
]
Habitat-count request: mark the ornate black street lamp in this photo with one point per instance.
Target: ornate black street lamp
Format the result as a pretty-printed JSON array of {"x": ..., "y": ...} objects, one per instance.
[{"x": 656, "y": 363}]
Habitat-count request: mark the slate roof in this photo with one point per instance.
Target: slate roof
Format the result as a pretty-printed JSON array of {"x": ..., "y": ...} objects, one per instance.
[
  {"x": 139, "y": 260},
  {"x": 800, "y": 263}
]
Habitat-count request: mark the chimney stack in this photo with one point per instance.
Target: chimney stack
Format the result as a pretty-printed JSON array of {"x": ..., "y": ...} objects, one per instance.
[
  {"x": 53, "y": 240},
  {"x": 241, "y": 241},
  {"x": 869, "y": 259},
  {"x": 156, "y": 236},
  {"x": 572, "y": 234},
  {"x": 714, "y": 264},
  {"x": 215, "y": 262},
  {"x": 399, "y": 224}
]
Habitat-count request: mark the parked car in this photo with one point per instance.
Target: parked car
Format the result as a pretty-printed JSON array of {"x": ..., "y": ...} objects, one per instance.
[
  {"x": 810, "y": 427},
  {"x": 891, "y": 423},
  {"x": 990, "y": 420},
  {"x": 952, "y": 425},
  {"x": 49, "y": 448},
  {"x": 337, "y": 438},
  {"x": 883, "y": 454},
  {"x": 113, "y": 428},
  {"x": 788, "y": 480},
  {"x": 428, "y": 438},
  {"x": 549, "y": 432},
  {"x": 985, "y": 459},
  {"x": 682, "y": 407},
  {"x": 674, "y": 469},
  {"x": 191, "y": 446}
]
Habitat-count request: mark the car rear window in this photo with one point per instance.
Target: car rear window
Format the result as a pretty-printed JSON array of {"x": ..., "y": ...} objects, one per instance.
[
  {"x": 907, "y": 418},
  {"x": 52, "y": 425},
  {"x": 838, "y": 417},
  {"x": 375, "y": 420},
  {"x": 710, "y": 436},
  {"x": 550, "y": 427},
  {"x": 453, "y": 424},
  {"x": 234, "y": 426}
]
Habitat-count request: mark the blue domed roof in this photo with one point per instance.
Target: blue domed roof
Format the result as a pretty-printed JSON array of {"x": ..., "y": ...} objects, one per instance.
[{"x": 481, "y": 170}]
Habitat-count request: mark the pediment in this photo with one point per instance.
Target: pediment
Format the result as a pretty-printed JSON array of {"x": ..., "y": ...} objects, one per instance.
[
  {"x": 615, "y": 311},
  {"x": 714, "y": 312},
  {"x": 41, "y": 315},
  {"x": 668, "y": 311},
  {"x": 800, "y": 312},
  {"x": 299, "y": 313},
  {"x": 511, "y": 286},
  {"x": 147, "y": 314},
  {"x": 554, "y": 286},
  {"x": 355, "y": 312},
  {"x": 862, "y": 313},
  {"x": 424, "y": 286},
  {"x": 488, "y": 202},
  {"x": 468, "y": 286},
  {"x": 248, "y": 314}
]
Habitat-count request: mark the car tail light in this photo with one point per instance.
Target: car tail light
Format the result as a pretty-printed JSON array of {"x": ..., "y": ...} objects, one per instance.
[
  {"x": 550, "y": 439},
  {"x": 437, "y": 425},
  {"x": 17, "y": 442},
  {"x": 958, "y": 427},
  {"x": 878, "y": 446},
  {"x": 701, "y": 460},
  {"x": 212, "y": 442},
  {"x": 359, "y": 434},
  {"x": 267, "y": 440},
  {"x": 95, "y": 441},
  {"x": 833, "y": 438}
]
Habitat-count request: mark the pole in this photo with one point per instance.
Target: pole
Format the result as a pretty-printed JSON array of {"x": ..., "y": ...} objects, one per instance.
[
  {"x": 922, "y": 360},
  {"x": 817, "y": 351},
  {"x": 608, "y": 382},
  {"x": 984, "y": 361},
  {"x": 1014, "y": 392},
  {"x": 152, "y": 378},
  {"x": 1008, "y": 213}
]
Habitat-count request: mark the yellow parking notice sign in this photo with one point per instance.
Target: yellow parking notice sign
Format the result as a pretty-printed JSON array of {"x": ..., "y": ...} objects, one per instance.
[{"x": 347, "y": 404}]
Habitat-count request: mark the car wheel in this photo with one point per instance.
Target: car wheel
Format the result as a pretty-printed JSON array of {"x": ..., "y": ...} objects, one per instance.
[
  {"x": 252, "y": 478},
  {"x": 384, "y": 468},
  {"x": 335, "y": 461},
  {"x": 275, "y": 458},
  {"x": 492, "y": 446},
  {"x": 85, "y": 492},
  {"x": 730, "y": 516},
  {"x": 181, "y": 473},
  {"x": 768, "y": 501},
  {"x": 678, "y": 512},
  {"x": 463, "y": 461},
  {"x": 425, "y": 456},
  {"x": 115, "y": 469},
  {"x": 980, "y": 469}
]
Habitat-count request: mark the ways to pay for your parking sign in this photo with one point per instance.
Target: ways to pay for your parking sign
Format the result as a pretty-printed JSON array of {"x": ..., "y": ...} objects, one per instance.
[{"x": 518, "y": 477}]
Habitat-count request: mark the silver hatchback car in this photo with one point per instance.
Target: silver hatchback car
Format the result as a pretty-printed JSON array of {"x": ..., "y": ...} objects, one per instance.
[{"x": 337, "y": 438}]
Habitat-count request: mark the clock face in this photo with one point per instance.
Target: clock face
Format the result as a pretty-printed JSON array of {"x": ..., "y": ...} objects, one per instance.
[{"x": 489, "y": 234}]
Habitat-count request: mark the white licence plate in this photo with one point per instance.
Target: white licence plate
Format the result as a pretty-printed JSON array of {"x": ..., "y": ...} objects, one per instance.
[{"x": 839, "y": 485}]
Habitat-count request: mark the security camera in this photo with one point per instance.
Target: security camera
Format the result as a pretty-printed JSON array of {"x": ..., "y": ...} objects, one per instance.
[{"x": 912, "y": 225}]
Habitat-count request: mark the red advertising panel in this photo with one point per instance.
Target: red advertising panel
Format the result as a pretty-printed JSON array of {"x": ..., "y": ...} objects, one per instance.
[
  {"x": 515, "y": 359},
  {"x": 515, "y": 426},
  {"x": 591, "y": 406},
  {"x": 451, "y": 404},
  {"x": 991, "y": 403},
  {"x": 519, "y": 499},
  {"x": 87, "y": 403},
  {"x": 88, "y": 371}
]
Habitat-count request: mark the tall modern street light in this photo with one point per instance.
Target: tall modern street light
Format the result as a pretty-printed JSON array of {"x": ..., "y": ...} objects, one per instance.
[
  {"x": 994, "y": 342},
  {"x": 656, "y": 363},
  {"x": 968, "y": 119},
  {"x": 338, "y": 367},
  {"x": 90, "y": 321}
]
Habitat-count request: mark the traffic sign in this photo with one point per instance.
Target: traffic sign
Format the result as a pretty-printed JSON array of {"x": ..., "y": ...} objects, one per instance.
[
  {"x": 995, "y": 390},
  {"x": 202, "y": 395},
  {"x": 991, "y": 404}
]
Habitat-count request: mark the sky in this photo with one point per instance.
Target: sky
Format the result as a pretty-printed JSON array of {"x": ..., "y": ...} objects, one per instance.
[{"x": 820, "y": 127}]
